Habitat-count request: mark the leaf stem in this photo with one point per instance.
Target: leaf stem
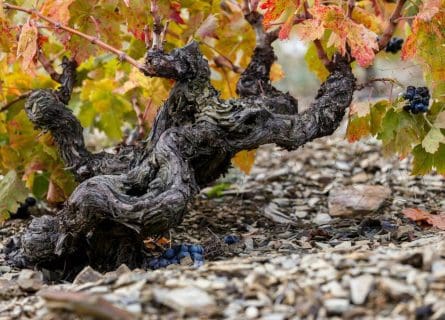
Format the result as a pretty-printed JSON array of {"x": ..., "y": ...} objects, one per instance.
[
  {"x": 94, "y": 40},
  {"x": 368, "y": 83}
]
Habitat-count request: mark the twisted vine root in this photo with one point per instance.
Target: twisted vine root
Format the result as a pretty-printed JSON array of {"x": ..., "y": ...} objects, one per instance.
[{"x": 144, "y": 191}]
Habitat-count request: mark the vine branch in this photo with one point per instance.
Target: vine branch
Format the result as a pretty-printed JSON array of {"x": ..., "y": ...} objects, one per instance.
[{"x": 17, "y": 99}]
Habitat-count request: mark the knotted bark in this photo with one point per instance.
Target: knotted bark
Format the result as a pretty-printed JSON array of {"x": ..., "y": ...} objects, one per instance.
[{"x": 143, "y": 191}]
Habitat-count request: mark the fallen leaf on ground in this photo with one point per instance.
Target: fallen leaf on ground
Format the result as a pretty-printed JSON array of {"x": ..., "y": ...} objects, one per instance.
[{"x": 415, "y": 214}]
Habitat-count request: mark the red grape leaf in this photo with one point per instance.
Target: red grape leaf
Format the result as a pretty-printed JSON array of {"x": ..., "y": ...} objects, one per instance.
[
  {"x": 274, "y": 9},
  {"x": 57, "y": 10},
  {"x": 429, "y": 10},
  {"x": 362, "y": 41},
  {"x": 286, "y": 28}
]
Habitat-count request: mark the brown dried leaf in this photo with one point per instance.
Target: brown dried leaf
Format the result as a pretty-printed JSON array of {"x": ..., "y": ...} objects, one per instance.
[
  {"x": 207, "y": 27},
  {"x": 415, "y": 214}
]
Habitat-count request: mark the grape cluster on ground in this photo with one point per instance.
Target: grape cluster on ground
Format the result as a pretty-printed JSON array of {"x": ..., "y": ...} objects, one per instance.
[
  {"x": 418, "y": 99},
  {"x": 177, "y": 253}
]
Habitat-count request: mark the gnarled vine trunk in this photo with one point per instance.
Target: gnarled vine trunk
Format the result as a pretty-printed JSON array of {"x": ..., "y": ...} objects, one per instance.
[{"x": 143, "y": 191}]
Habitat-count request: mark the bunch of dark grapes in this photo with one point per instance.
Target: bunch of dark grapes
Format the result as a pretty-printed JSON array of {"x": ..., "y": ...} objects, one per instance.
[
  {"x": 175, "y": 254},
  {"x": 418, "y": 99},
  {"x": 394, "y": 45},
  {"x": 22, "y": 211}
]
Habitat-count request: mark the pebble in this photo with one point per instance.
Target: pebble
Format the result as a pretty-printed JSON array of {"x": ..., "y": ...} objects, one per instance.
[
  {"x": 321, "y": 219},
  {"x": 252, "y": 312},
  {"x": 87, "y": 274},
  {"x": 187, "y": 300},
  {"x": 336, "y": 306},
  {"x": 360, "y": 288},
  {"x": 357, "y": 199}
]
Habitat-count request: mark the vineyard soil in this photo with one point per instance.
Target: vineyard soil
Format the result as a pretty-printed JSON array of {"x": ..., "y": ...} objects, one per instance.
[{"x": 279, "y": 271}]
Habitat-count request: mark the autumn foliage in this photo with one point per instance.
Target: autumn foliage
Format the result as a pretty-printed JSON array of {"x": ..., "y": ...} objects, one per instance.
[{"x": 113, "y": 99}]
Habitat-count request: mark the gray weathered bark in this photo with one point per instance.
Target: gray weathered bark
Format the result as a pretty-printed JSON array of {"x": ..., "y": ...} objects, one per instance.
[{"x": 144, "y": 191}]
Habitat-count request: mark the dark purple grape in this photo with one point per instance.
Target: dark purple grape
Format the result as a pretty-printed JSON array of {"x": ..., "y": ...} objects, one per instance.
[
  {"x": 394, "y": 45},
  {"x": 197, "y": 257},
  {"x": 163, "y": 263},
  {"x": 410, "y": 92},
  {"x": 182, "y": 255},
  {"x": 423, "y": 92},
  {"x": 174, "y": 260},
  {"x": 231, "y": 239},
  {"x": 30, "y": 201},
  {"x": 169, "y": 253},
  {"x": 153, "y": 264},
  {"x": 196, "y": 248}
]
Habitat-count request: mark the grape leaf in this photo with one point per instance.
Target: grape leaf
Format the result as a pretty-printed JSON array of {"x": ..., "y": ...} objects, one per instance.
[
  {"x": 274, "y": 10},
  {"x": 440, "y": 120},
  {"x": 244, "y": 160},
  {"x": 429, "y": 9},
  {"x": 432, "y": 140},
  {"x": 286, "y": 28},
  {"x": 276, "y": 72},
  {"x": 7, "y": 36},
  {"x": 424, "y": 161},
  {"x": 27, "y": 44},
  {"x": 310, "y": 29},
  {"x": 12, "y": 191},
  {"x": 57, "y": 10},
  {"x": 208, "y": 27},
  {"x": 345, "y": 31},
  {"x": 2, "y": 12},
  {"x": 358, "y": 128}
]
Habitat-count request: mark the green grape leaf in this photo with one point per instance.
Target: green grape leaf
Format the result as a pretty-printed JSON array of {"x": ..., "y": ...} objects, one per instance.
[
  {"x": 424, "y": 161},
  {"x": 12, "y": 192},
  {"x": 440, "y": 120}
]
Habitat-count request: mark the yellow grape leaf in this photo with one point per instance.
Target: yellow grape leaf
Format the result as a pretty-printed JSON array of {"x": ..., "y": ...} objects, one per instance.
[
  {"x": 27, "y": 45},
  {"x": 367, "y": 19},
  {"x": 57, "y": 10},
  {"x": 432, "y": 140},
  {"x": 244, "y": 160},
  {"x": 2, "y": 12},
  {"x": 276, "y": 72}
]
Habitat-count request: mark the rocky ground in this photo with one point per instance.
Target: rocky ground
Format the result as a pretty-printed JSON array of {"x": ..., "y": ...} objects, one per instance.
[{"x": 322, "y": 235}]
